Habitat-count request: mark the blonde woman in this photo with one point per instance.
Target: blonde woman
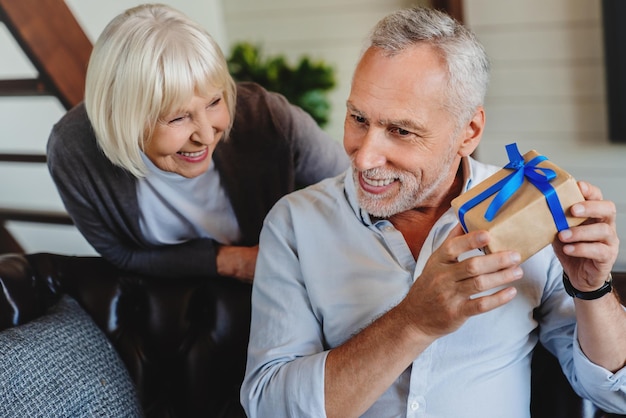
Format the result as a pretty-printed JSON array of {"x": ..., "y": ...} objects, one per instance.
[{"x": 168, "y": 168}]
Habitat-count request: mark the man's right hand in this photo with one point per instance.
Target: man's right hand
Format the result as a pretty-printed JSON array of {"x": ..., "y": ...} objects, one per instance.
[{"x": 445, "y": 294}]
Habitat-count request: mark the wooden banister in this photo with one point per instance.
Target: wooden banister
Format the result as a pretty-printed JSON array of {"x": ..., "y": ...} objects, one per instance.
[
  {"x": 35, "y": 216},
  {"x": 58, "y": 48},
  {"x": 24, "y": 87},
  {"x": 22, "y": 158},
  {"x": 54, "y": 42},
  {"x": 8, "y": 244}
]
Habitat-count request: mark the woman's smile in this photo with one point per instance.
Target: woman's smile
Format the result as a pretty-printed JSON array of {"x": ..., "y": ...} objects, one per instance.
[{"x": 194, "y": 157}]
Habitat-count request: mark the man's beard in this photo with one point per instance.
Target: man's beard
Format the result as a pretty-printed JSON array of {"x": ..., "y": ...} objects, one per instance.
[{"x": 410, "y": 194}]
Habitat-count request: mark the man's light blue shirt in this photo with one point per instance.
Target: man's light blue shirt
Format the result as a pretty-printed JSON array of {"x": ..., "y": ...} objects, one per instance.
[{"x": 325, "y": 271}]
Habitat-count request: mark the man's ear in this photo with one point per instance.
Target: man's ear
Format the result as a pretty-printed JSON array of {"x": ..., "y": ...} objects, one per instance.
[{"x": 472, "y": 132}]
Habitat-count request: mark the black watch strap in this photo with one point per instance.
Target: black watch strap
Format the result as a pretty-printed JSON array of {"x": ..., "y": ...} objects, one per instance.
[{"x": 595, "y": 294}]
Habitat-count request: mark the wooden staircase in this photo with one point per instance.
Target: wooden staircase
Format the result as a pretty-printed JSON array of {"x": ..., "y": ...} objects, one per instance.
[{"x": 54, "y": 42}]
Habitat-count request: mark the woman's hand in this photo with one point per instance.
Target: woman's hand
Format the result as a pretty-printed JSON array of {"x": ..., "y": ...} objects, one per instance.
[{"x": 237, "y": 262}]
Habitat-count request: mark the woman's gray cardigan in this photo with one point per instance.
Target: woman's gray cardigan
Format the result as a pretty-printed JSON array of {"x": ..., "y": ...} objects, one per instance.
[{"x": 273, "y": 148}]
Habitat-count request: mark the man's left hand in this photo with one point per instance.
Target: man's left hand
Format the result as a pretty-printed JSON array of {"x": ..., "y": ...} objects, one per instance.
[{"x": 589, "y": 250}]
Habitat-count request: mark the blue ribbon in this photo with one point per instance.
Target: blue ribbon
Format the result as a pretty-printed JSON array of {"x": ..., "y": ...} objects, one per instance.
[{"x": 538, "y": 176}]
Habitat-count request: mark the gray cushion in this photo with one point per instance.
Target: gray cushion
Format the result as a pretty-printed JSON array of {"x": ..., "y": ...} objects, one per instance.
[{"x": 62, "y": 365}]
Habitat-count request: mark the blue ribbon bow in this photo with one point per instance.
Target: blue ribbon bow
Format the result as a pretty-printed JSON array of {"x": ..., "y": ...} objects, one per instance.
[{"x": 538, "y": 176}]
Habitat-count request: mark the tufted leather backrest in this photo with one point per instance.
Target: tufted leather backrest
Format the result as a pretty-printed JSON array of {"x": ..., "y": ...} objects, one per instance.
[{"x": 184, "y": 341}]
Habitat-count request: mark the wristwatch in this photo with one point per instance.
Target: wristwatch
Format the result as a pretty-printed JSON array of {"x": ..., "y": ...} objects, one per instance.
[{"x": 595, "y": 294}]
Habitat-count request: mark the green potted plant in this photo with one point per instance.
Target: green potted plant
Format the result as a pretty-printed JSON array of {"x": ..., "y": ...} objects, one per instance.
[{"x": 304, "y": 84}]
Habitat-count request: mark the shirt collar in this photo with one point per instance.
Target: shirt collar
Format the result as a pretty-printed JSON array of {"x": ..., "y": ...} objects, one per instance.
[
  {"x": 467, "y": 165},
  {"x": 350, "y": 193}
]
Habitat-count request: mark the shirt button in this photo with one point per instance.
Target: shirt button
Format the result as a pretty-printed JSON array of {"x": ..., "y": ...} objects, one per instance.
[{"x": 415, "y": 406}]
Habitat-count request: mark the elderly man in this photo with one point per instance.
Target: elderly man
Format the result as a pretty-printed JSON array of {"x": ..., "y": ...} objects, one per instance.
[{"x": 369, "y": 300}]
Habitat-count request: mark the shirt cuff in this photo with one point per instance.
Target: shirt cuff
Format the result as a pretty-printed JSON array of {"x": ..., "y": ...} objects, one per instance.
[{"x": 587, "y": 371}]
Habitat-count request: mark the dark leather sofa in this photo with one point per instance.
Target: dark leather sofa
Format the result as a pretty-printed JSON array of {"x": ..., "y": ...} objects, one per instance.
[{"x": 184, "y": 341}]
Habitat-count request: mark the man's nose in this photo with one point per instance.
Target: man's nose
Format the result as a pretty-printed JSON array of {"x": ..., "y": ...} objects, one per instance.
[{"x": 370, "y": 152}]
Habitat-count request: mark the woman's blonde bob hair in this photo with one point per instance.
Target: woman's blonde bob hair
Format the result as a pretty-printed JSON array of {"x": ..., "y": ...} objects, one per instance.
[{"x": 148, "y": 63}]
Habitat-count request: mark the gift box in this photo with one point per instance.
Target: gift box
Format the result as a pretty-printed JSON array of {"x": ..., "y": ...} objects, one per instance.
[{"x": 523, "y": 206}]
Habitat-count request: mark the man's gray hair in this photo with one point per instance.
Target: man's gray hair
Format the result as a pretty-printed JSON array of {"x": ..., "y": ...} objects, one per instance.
[{"x": 468, "y": 65}]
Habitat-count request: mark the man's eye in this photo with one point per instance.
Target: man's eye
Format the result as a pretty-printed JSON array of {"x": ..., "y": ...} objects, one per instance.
[
  {"x": 358, "y": 119},
  {"x": 401, "y": 132}
]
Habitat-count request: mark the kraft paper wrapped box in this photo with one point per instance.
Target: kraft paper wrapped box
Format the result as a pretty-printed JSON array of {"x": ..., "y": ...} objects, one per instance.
[{"x": 532, "y": 204}]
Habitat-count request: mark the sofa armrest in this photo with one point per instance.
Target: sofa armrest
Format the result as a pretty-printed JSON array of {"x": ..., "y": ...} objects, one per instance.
[
  {"x": 61, "y": 364},
  {"x": 25, "y": 295}
]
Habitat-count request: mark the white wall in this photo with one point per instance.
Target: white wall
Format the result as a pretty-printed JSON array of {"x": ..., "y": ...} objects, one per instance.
[{"x": 548, "y": 90}]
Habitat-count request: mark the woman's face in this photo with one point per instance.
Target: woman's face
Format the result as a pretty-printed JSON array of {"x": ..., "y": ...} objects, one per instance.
[{"x": 183, "y": 142}]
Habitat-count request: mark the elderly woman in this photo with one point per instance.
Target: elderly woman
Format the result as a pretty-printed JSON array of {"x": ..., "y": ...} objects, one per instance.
[{"x": 168, "y": 168}]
